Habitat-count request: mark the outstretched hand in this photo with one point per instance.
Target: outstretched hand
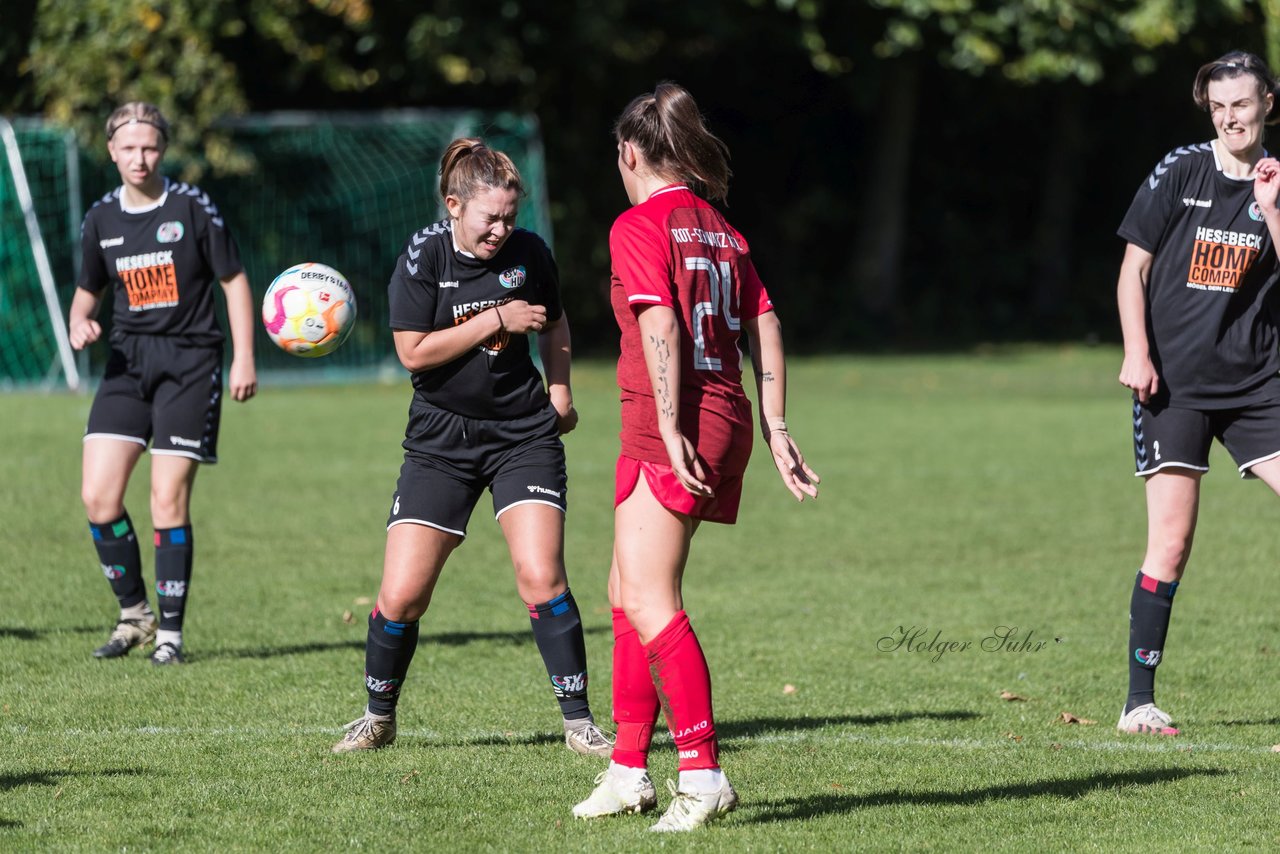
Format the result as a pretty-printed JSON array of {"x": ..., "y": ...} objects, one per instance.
[{"x": 794, "y": 471}]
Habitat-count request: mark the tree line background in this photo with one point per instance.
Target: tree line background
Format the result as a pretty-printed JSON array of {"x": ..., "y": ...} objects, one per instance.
[{"x": 910, "y": 174}]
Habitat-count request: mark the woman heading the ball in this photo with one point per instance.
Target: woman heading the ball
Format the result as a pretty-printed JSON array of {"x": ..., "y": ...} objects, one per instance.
[
  {"x": 683, "y": 287},
  {"x": 1200, "y": 340},
  {"x": 464, "y": 295},
  {"x": 161, "y": 246}
]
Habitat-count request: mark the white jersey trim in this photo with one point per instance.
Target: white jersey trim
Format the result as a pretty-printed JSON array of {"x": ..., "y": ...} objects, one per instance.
[
  {"x": 671, "y": 189},
  {"x": 145, "y": 208},
  {"x": 498, "y": 515},
  {"x": 117, "y": 436},
  {"x": 1168, "y": 466},
  {"x": 1217, "y": 161},
  {"x": 426, "y": 524},
  {"x": 645, "y": 298}
]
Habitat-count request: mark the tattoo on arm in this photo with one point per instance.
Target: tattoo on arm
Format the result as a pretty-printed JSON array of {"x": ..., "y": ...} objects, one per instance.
[
  {"x": 766, "y": 376},
  {"x": 662, "y": 350}
]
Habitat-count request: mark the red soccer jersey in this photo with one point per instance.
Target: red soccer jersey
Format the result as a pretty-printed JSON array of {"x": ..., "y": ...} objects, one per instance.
[{"x": 676, "y": 250}]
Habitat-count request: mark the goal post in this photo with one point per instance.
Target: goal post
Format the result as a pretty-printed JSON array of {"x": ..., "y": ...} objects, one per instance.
[{"x": 17, "y": 288}]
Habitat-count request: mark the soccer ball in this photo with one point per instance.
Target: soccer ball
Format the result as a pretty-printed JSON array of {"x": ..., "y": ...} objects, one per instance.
[{"x": 309, "y": 310}]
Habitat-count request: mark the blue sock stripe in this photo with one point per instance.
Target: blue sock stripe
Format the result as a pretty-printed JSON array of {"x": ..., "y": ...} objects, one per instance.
[
  {"x": 393, "y": 628},
  {"x": 558, "y": 605}
]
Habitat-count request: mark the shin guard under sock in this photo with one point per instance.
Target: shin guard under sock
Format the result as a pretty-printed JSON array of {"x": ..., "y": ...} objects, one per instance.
[
  {"x": 635, "y": 701},
  {"x": 683, "y": 682},
  {"x": 557, "y": 629},
  {"x": 387, "y": 654},
  {"x": 1149, "y": 610},
  {"x": 121, "y": 560},
  {"x": 174, "y": 550}
]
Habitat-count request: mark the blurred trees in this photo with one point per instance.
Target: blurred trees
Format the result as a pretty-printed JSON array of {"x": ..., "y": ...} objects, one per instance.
[{"x": 908, "y": 172}]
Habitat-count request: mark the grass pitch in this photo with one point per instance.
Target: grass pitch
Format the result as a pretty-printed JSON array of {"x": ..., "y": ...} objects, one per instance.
[{"x": 891, "y": 664}]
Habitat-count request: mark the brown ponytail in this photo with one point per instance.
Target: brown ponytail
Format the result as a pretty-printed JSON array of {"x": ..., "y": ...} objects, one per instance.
[
  {"x": 669, "y": 130},
  {"x": 469, "y": 166}
]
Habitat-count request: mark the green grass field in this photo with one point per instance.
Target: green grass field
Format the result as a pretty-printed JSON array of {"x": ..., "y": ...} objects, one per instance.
[{"x": 960, "y": 494}]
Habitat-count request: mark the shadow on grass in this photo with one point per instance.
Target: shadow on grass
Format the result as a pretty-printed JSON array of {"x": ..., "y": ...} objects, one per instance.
[
  {"x": 1258, "y": 722},
  {"x": 41, "y": 634},
  {"x": 443, "y": 639},
  {"x": 792, "y": 809},
  {"x": 53, "y": 778},
  {"x": 7, "y": 823},
  {"x": 760, "y": 726}
]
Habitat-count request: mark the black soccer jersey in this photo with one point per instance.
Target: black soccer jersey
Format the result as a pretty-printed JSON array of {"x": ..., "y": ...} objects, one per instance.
[
  {"x": 436, "y": 287},
  {"x": 162, "y": 261},
  {"x": 1210, "y": 321}
]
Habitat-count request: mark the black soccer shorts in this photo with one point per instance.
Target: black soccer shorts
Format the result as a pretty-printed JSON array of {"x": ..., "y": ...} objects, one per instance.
[
  {"x": 1165, "y": 437},
  {"x": 449, "y": 460},
  {"x": 161, "y": 390}
]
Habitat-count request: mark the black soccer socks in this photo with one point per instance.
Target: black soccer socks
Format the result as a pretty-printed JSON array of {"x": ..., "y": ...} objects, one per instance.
[
  {"x": 173, "y": 575},
  {"x": 387, "y": 655},
  {"x": 557, "y": 629},
  {"x": 1149, "y": 611},
  {"x": 121, "y": 561}
]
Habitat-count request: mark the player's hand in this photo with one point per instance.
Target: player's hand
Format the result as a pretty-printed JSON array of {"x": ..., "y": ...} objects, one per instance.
[
  {"x": 520, "y": 317},
  {"x": 1138, "y": 373},
  {"x": 83, "y": 333},
  {"x": 244, "y": 379},
  {"x": 1266, "y": 183},
  {"x": 686, "y": 465},
  {"x": 794, "y": 471}
]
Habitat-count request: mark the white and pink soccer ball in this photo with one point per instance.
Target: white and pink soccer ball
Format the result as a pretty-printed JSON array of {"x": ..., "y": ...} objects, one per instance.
[{"x": 309, "y": 310}]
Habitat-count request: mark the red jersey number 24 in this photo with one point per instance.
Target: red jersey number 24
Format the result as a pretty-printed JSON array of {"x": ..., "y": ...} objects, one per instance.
[{"x": 720, "y": 305}]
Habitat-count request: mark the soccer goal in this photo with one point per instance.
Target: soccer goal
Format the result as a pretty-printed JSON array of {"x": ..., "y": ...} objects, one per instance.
[
  {"x": 341, "y": 189},
  {"x": 39, "y": 196}
]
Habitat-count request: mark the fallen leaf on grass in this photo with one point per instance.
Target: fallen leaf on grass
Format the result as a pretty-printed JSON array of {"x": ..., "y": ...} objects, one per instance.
[
  {"x": 1012, "y": 697},
  {"x": 348, "y": 617},
  {"x": 1068, "y": 718},
  {"x": 57, "y": 794},
  {"x": 407, "y": 777},
  {"x": 1055, "y": 746},
  {"x": 1275, "y": 748},
  {"x": 788, "y": 688},
  {"x": 1012, "y": 736},
  {"x": 364, "y": 600}
]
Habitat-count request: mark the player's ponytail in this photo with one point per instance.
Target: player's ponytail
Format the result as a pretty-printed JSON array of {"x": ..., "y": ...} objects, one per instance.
[
  {"x": 137, "y": 113},
  {"x": 669, "y": 130},
  {"x": 1232, "y": 65},
  {"x": 469, "y": 166}
]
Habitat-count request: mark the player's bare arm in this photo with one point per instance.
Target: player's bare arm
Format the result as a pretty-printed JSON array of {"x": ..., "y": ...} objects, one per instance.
[
  {"x": 1137, "y": 372},
  {"x": 660, "y": 337},
  {"x": 82, "y": 327},
  {"x": 765, "y": 335},
  {"x": 240, "y": 318},
  {"x": 555, "y": 347}
]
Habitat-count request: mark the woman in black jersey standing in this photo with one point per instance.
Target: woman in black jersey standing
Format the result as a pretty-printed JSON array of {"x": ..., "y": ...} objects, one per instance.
[
  {"x": 464, "y": 295},
  {"x": 161, "y": 246},
  {"x": 1200, "y": 340}
]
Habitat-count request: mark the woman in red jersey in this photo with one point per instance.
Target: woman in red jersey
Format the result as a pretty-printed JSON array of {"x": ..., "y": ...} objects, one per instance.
[{"x": 683, "y": 288}]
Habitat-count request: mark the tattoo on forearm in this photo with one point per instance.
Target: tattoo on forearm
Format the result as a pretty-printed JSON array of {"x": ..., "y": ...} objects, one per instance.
[
  {"x": 766, "y": 376},
  {"x": 662, "y": 350}
]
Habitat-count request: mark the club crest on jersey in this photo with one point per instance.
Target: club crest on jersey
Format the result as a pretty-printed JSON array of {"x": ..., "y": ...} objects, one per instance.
[
  {"x": 512, "y": 278},
  {"x": 1255, "y": 212},
  {"x": 171, "y": 232}
]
